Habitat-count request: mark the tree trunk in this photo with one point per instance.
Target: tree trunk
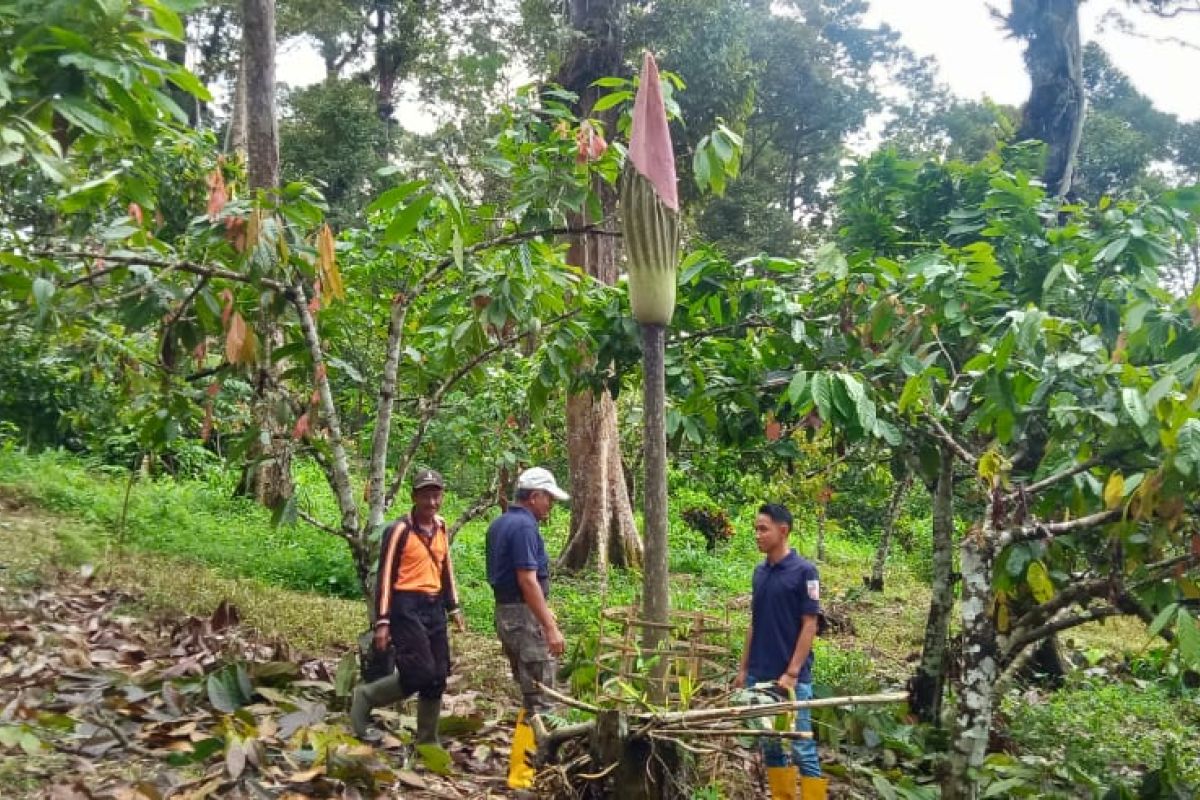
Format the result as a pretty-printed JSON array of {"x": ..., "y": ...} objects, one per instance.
[
  {"x": 929, "y": 681},
  {"x": 235, "y": 134},
  {"x": 1054, "y": 59},
  {"x": 821, "y": 511},
  {"x": 899, "y": 491},
  {"x": 262, "y": 128},
  {"x": 268, "y": 475},
  {"x": 980, "y": 668},
  {"x": 602, "y": 522},
  {"x": 655, "y": 586}
]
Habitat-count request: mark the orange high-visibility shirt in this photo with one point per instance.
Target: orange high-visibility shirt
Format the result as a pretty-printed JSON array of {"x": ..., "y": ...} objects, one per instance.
[{"x": 420, "y": 568}]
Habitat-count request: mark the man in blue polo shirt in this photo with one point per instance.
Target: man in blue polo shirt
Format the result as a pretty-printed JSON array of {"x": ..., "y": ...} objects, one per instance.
[
  {"x": 785, "y": 610},
  {"x": 518, "y": 570}
]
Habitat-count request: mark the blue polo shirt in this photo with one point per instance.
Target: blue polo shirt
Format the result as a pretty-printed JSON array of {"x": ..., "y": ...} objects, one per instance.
[
  {"x": 783, "y": 593},
  {"x": 513, "y": 543}
]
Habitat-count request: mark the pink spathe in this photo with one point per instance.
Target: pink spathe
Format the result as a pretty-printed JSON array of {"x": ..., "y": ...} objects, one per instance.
[{"x": 650, "y": 143}]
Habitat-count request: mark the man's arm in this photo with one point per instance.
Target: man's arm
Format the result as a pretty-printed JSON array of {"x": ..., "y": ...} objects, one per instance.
[
  {"x": 450, "y": 592},
  {"x": 808, "y": 631},
  {"x": 383, "y": 587},
  {"x": 531, "y": 593}
]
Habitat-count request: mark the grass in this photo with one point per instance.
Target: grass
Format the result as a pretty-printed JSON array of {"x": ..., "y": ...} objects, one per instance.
[{"x": 187, "y": 545}]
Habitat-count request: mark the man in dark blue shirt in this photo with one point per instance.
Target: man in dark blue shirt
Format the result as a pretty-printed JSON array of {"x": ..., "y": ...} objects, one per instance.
[
  {"x": 518, "y": 570},
  {"x": 785, "y": 608}
]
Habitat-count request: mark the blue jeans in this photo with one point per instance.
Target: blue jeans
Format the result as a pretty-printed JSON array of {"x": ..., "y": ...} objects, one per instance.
[{"x": 804, "y": 751}]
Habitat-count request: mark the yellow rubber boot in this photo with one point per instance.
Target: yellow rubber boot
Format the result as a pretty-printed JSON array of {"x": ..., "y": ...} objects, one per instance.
[
  {"x": 524, "y": 744},
  {"x": 813, "y": 788},
  {"x": 782, "y": 781}
]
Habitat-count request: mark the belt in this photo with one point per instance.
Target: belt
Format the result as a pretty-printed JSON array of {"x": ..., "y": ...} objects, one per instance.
[{"x": 425, "y": 597}]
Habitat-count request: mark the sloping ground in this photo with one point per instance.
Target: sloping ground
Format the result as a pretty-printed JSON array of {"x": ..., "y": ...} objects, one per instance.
[{"x": 97, "y": 701}]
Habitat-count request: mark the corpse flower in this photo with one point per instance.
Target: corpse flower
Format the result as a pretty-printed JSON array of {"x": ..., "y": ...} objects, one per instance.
[{"x": 650, "y": 205}]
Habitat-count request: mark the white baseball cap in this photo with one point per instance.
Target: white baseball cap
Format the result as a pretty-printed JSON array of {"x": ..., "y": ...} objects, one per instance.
[{"x": 541, "y": 478}]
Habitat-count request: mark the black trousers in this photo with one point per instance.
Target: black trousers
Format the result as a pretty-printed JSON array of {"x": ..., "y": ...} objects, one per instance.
[{"x": 422, "y": 647}]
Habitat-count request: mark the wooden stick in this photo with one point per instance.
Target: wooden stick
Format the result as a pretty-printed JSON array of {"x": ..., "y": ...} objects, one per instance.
[
  {"x": 766, "y": 709},
  {"x": 566, "y": 699},
  {"x": 731, "y": 732}
]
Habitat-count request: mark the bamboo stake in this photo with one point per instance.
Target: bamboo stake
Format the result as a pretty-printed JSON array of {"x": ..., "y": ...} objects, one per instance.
[{"x": 766, "y": 709}]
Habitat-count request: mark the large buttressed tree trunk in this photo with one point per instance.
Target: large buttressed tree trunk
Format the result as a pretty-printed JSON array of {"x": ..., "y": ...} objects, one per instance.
[
  {"x": 1054, "y": 59},
  {"x": 602, "y": 523},
  {"x": 268, "y": 475}
]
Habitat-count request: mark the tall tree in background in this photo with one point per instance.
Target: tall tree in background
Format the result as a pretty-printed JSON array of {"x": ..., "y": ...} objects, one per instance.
[
  {"x": 1054, "y": 60},
  {"x": 268, "y": 474},
  {"x": 602, "y": 523}
]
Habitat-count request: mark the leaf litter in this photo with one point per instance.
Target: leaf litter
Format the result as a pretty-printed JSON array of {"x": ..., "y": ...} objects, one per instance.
[{"x": 96, "y": 704}]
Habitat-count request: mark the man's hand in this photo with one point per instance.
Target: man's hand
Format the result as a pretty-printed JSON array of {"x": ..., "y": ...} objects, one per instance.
[
  {"x": 787, "y": 681},
  {"x": 555, "y": 642},
  {"x": 740, "y": 681},
  {"x": 460, "y": 623},
  {"x": 383, "y": 636}
]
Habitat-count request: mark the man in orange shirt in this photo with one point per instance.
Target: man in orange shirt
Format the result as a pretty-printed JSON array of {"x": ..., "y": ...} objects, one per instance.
[{"x": 413, "y": 595}]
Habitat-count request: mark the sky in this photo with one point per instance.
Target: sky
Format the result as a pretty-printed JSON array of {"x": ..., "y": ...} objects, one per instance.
[{"x": 975, "y": 57}]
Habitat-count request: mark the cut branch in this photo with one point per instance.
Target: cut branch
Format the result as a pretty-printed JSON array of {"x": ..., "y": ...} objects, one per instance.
[
  {"x": 765, "y": 709},
  {"x": 1044, "y": 530},
  {"x": 1019, "y": 643}
]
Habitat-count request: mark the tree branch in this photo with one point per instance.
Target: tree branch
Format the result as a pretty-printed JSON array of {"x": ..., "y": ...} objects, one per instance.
[
  {"x": 321, "y": 526},
  {"x": 122, "y": 260},
  {"x": 1044, "y": 530},
  {"x": 1019, "y": 643},
  {"x": 1059, "y": 477},
  {"x": 960, "y": 451},
  {"x": 481, "y": 504},
  {"x": 339, "y": 471},
  {"x": 435, "y": 402}
]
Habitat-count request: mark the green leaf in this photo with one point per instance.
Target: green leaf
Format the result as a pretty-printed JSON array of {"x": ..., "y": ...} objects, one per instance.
[
  {"x": 1187, "y": 447},
  {"x": 1039, "y": 582},
  {"x": 1131, "y": 399},
  {"x": 1112, "y": 249},
  {"x": 82, "y": 114},
  {"x": 1187, "y": 637},
  {"x": 797, "y": 386},
  {"x": 343, "y": 681},
  {"x": 406, "y": 220},
  {"x": 392, "y": 197},
  {"x": 1161, "y": 619},
  {"x": 225, "y": 690},
  {"x": 1161, "y": 388},
  {"x": 611, "y": 99},
  {"x": 822, "y": 391},
  {"x": 435, "y": 758},
  {"x": 43, "y": 290},
  {"x": 610, "y": 82}
]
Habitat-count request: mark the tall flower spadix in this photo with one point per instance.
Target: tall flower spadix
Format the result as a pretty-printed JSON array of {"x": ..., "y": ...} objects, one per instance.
[{"x": 650, "y": 205}]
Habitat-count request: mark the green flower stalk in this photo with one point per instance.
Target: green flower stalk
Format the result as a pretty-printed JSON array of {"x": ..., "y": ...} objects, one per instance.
[
  {"x": 650, "y": 219},
  {"x": 650, "y": 205}
]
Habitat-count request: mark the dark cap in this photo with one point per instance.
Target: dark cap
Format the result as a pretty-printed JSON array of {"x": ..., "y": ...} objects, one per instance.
[{"x": 427, "y": 477}]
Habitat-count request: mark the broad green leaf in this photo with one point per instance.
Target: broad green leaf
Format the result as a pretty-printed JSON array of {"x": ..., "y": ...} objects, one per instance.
[
  {"x": 81, "y": 113},
  {"x": 225, "y": 690},
  {"x": 406, "y": 220},
  {"x": 1161, "y": 388},
  {"x": 1113, "y": 249},
  {"x": 910, "y": 396},
  {"x": 822, "y": 392},
  {"x": 343, "y": 681},
  {"x": 392, "y": 197},
  {"x": 43, "y": 290},
  {"x": 1162, "y": 619},
  {"x": 1187, "y": 447},
  {"x": 610, "y": 82},
  {"x": 1135, "y": 407},
  {"x": 1039, "y": 582},
  {"x": 611, "y": 99},
  {"x": 1017, "y": 559},
  {"x": 1187, "y": 636},
  {"x": 797, "y": 386},
  {"x": 435, "y": 758}
]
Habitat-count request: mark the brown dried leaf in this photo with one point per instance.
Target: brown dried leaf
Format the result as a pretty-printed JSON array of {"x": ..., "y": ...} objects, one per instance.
[
  {"x": 331, "y": 279},
  {"x": 218, "y": 195},
  {"x": 301, "y": 428}
]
